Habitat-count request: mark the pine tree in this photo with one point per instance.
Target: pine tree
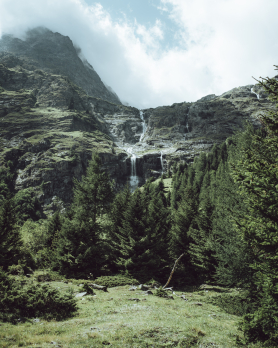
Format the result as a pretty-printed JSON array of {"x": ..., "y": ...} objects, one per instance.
[
  {"x": 80, "y": 248},
  {"x": 179, "y": 238},
  {"x": 142, "y": 241},
  {"x": 257, "y": 176},
  {"x": 10, "y": 241}
]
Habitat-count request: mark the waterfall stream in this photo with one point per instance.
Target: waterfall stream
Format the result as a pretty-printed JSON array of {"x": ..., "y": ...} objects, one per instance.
[
  {"x": 252, "y": 91},
  {"x": 161, "y": 161},
  {"x": 143, "y": 125}
]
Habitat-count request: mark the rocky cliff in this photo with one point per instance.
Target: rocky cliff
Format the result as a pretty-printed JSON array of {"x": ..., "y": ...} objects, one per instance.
[
  {"x": 51, "y": 123},
  {"x": 54, "y": 53}
]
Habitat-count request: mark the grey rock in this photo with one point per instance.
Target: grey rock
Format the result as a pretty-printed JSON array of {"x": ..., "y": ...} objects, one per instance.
[
  {"x": 52, "y": 52},
  {"x": 81, "y": 294}
]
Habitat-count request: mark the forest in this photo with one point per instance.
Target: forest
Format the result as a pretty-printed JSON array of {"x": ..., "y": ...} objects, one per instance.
[{"x": 221, "y": 213}]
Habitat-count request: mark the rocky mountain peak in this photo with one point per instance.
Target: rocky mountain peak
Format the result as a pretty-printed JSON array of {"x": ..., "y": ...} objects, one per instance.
[{"x": 56, "y": 54}]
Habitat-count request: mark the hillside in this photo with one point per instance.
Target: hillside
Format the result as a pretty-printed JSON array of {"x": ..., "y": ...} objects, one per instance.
[{"x": 55, "y": 112}]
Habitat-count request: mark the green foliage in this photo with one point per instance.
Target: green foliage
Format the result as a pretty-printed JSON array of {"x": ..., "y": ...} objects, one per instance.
[
  {"x": 117, "y": 280},
  {"x": 27, "y": 206},
  {"x": 142, "y": 241},
  {"x": 33, "y": 301},
  {"x": 10, "y": 241},
  {"x": 233, "y": 303},
  {"x": 161, "y": 293},
  {"x": 86, "y": 288},
  {"x": 80, "y": 249},
  {"x": 256, "y": 173}
]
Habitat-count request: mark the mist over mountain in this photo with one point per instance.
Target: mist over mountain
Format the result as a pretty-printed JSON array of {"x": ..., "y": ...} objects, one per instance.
[{"x": 55, "y": 53}]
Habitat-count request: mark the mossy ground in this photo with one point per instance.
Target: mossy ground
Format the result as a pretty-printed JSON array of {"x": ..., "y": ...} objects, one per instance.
[{"x": 123, "y": 318}]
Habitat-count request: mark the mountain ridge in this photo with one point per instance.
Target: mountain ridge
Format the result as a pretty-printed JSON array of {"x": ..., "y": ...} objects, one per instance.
[{"x": 50, "y": 126}]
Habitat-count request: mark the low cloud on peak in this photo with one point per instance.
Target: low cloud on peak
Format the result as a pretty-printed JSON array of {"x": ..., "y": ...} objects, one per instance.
[{"x": 218, "y": 44}]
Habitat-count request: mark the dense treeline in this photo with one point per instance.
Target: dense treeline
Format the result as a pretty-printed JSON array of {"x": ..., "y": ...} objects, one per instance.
[{"x": 221, "y": 213}]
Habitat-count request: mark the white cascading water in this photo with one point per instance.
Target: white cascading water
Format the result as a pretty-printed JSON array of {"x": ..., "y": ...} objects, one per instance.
[
  {"x": 252, "y": 91},
  {"x": 143, "y": 125},
  {"x": 161, "y": 161},
  {"x": 134, "y": 180},
  {"x": 187, "y": 127}
]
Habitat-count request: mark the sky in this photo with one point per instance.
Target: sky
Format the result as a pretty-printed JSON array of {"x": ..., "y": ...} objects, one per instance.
[{"x": 160, "y": 52}]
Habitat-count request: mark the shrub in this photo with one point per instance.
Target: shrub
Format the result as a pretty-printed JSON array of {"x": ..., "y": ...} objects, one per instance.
[
  {"x": 161, "y": 293},
  {"x": 235, "y": 304},
  {"x": 118, "y": 280},
  {"x": 33, "y": 301}
]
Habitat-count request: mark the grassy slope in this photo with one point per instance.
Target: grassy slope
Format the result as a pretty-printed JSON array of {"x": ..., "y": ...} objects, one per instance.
[{"x": 112, "y": 318}]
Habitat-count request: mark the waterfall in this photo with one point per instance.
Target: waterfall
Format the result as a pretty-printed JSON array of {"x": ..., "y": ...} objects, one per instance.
[
  {"x": 143, "y": 125},
  {"x": 187, "y": 127},
  {"x": 252, "y": 91},
  {"x": 161, "y": 161},
  {"x": 134, "y": 180}
]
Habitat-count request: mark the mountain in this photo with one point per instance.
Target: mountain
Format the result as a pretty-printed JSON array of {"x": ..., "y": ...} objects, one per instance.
[
  {"x": 56, "y": 54},
  {"x": 55, "y": 112}
]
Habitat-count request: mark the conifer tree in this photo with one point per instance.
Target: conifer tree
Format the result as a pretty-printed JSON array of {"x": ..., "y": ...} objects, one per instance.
[
  {"x": 257, "y": 176},
  {"x": 10, "y": 241},
  {"x": 80, "y": 245},
  {"x": 142, "y": 241}
]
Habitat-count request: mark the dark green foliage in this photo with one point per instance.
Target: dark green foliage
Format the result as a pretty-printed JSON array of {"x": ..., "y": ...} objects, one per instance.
[
  {"x": 86, "y": 288},
  {"x": 117, "y": 280},
  {"x": 33, "y": 301},
  {"x": 80, "y": 248},
  {"x": 10, "y": 241},
  {"x": 256, "y": 173},
  {"x": 142, "y": 241},
  {"x": 161, "y": 293},
  {"x": 27, "y": 206},
  {"x": 235, "y": 304}
]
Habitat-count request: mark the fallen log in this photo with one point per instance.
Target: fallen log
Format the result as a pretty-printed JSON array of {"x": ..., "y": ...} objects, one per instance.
[{"x": 98, "y": 287}]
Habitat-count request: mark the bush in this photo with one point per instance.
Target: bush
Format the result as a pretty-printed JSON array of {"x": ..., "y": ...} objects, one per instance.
[
  {"x": 118, "y": 280},
  {"x": 161, "y": 293},
  {"x": 235, "y": 304},
  {"x": 33, "y": 301}
]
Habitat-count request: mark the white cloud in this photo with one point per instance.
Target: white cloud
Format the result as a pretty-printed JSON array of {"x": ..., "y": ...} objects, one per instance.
[{"x": 222, "y": 43}]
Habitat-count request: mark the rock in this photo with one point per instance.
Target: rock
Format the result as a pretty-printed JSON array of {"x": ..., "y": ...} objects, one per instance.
[
  {"x": 98, "y": 287},
  {"x": 36, "y": 320},
  {"x": 148, "y": 292},
  {"x": 134, "y": 299},
  {"x": 81, "y": 294},
  {"x": 55, "y": 112},
  {"x": 132, "y": 288},
  {"x": 45, "y": 51}
]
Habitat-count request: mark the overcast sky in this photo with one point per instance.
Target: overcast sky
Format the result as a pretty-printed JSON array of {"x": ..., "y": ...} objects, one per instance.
[{"x": 158, "y": 52}]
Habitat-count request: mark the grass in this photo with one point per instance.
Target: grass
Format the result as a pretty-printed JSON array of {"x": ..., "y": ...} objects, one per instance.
[{"x": 123, "y": 318}]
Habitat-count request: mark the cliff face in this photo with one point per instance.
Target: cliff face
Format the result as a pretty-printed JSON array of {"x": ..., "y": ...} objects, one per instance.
[
  {"x": 50, "y": 127},
  {"x": 184, "y": 129},
  {"x": 55, "y": 53},
  {"x": 51, "y": 121}
]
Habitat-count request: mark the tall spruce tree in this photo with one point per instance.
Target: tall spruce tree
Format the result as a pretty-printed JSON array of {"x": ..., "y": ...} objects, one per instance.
[
  {"x": 257, "y": 176},
  {"x": 80, "y": 245},
  {"x": 142, "y": 241}
]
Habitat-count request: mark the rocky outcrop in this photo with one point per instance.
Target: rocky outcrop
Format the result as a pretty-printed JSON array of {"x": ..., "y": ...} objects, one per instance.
[
  {"x": 51, "y": 121},
  {"x": 54, "y": 53}
]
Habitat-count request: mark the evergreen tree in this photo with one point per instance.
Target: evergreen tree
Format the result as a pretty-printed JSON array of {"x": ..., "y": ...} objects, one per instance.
[
  {"x": 10, "y": 241},
  {"x": 80, "y": 245},
  {"x": 200, "y": 248},
  {"x": 142, "y": 241},
  {"x": 257, "y": 176},
  {"x": 179, "y": 238}
]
